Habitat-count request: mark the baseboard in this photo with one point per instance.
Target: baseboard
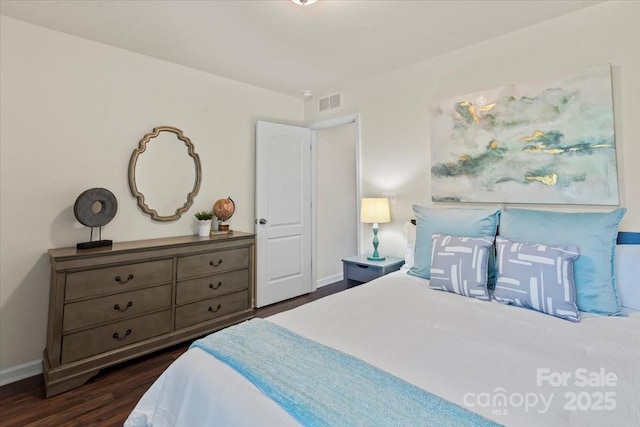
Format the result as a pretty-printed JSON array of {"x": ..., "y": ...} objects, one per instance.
[
  {"x": 20, "y": 372},
  {"x": 329, "y": 280}
]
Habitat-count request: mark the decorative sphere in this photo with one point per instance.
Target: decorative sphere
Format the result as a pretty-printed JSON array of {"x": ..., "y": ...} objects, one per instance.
[{"x": 223, "y": 209}]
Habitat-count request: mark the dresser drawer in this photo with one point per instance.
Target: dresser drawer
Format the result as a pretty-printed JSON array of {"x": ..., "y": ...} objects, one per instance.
[
  {"x": 103, "y": 281},
  {"x": 211, "y": 286},
  {"x": 212, "y": 262},
  {"x": 109, "y": 337},
  {"x": 114, "y": 307},
  {"x": 211, "y": 309},
  {"x": 362, "y": 273}
]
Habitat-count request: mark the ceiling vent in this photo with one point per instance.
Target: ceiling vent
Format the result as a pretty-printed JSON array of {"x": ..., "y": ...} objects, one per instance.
[{"x": 330, "y": 102}]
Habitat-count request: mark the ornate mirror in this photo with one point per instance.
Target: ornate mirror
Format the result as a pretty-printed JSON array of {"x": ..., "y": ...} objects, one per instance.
[{"x": 164, "y": 173}]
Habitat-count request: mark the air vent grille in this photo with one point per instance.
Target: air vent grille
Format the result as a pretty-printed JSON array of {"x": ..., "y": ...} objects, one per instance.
[{"x": 330, "y": 102}]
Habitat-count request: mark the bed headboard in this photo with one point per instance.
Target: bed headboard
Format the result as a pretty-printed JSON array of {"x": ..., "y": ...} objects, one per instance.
[{"x": 628, "y": 238}]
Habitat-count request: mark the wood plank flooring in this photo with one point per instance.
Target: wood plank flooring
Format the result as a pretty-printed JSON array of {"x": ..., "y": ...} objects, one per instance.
[{"x": 107, "y": 399}]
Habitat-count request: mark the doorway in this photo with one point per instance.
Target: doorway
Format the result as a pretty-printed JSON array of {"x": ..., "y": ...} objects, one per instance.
[
  {"x": 331, "y": 156},
  {"x": 337, "y": 190}
]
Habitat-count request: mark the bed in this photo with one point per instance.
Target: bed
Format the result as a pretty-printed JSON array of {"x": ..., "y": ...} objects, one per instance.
[{"x": 506, "y": 364}]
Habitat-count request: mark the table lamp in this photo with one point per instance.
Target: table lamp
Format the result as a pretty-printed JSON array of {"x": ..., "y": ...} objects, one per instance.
[{"x": 375, "y": 210}]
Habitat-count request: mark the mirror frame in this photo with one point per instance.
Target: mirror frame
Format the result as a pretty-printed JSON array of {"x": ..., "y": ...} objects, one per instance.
[{"x": 142, "y": 146}]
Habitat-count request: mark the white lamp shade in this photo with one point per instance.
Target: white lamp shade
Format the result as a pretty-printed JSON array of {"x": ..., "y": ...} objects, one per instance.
[{"x": 374, "y": 210}]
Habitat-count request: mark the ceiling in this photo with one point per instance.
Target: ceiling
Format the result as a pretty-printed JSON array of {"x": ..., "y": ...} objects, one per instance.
[{"x": 277, "y": 45}]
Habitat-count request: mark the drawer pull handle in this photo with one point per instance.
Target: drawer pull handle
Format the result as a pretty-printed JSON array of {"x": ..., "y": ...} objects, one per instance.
[
  {"x": 122, "y": 282},
  {"x": 117, "y": 337},
  {"x": 211, "y": 309},
  {"x": 215, "y": 264},
  {"x": 362, "y": 266},
  {"x": 216, "y": 286},
  {"x": 117, "y": 306}
]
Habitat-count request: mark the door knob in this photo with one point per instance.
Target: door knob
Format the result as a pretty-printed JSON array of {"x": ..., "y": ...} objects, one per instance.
[{"x": 263, "y": 221}]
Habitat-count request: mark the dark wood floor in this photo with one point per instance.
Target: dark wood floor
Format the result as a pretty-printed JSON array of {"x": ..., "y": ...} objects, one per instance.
[{"x": 107, "y": 399}]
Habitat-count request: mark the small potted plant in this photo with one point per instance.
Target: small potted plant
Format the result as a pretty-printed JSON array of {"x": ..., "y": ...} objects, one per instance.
[{"x": 204, "y": 222}]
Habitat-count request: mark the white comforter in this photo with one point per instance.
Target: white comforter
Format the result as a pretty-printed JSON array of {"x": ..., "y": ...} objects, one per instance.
[{"x": 515, "y": 366}]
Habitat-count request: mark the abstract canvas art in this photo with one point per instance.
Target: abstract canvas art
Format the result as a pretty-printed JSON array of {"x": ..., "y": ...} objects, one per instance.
[{"x": 543, "y": 141}]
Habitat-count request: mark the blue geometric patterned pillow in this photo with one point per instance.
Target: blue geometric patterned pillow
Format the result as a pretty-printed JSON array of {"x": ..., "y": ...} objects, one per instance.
[
  {"x": 537, "y": 276},
  {"x": 460, "y": 264}
]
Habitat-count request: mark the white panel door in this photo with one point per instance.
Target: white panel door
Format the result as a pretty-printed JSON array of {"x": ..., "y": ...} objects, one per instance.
[{"x": 283, "y": 212}]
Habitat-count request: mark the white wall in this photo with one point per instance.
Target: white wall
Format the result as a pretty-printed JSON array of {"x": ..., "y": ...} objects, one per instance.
[
  {"x": 393, "y": 107},
  {"x": 336, "y": 200},
  {"x": 72, "y": 112}
]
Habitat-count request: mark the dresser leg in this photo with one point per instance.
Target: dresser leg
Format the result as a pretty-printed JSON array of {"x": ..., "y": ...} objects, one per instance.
[{"x": 56, "y": 382}]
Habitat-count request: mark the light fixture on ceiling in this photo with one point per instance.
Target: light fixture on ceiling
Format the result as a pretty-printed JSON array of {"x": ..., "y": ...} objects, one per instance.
[
  {"x": 304, "y": 2},
  {"x": 306, "y": 94}
]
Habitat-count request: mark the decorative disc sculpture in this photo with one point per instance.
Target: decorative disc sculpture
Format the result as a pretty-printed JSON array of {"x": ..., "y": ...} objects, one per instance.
[{"x": 95, "y": 207}]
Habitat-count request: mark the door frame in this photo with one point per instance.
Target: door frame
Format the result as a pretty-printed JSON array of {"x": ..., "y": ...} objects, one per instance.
[{"x": 325, "y": 124}]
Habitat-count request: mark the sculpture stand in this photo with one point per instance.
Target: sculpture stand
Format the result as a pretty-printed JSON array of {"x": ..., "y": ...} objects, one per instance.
[{"x": 94, "y": 244}]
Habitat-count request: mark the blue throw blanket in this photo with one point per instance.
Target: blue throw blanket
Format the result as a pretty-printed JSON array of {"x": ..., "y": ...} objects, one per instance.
[{"x": 320, "y": 386}]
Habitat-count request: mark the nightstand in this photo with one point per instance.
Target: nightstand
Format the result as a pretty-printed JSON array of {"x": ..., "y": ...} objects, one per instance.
[{"x": 358, "y": 269}]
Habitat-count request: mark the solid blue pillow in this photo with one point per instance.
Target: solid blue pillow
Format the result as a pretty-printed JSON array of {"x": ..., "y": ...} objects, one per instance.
[
  {"x": 454, "y": 222},
  {"x": 595, "y": 235}
]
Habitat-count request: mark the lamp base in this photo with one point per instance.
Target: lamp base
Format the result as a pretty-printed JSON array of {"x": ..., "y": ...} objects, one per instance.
[{"x": 376, "y": 258}]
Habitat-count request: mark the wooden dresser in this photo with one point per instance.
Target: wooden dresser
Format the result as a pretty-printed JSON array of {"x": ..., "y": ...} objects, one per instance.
[{"x": 108, "y": 305}]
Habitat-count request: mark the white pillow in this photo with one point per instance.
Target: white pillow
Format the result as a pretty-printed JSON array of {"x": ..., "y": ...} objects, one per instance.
[
  {"x": 409, "y": 238},
  {"x": 628, "y": 275}
]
